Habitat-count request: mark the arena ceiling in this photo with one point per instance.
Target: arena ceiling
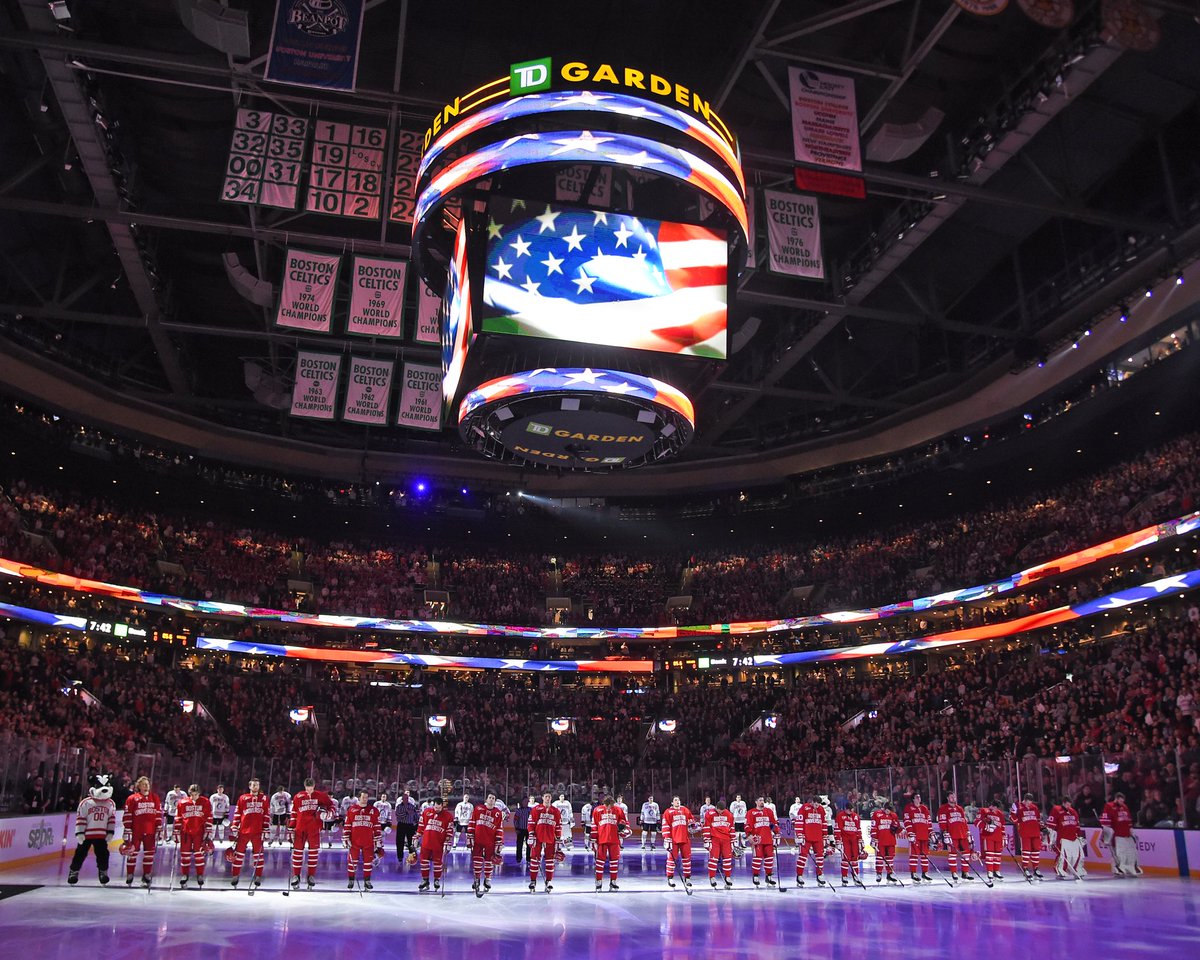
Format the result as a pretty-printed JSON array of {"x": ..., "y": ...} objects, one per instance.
[{"x": 1020, "y": 183}]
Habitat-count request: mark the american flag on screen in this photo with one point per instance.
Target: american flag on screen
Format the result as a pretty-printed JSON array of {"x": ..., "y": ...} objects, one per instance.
[{"x": 614, "y": 280}]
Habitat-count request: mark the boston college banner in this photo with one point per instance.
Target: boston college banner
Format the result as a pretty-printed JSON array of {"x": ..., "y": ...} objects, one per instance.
[
  {"x": 793, "y": 234},
  {"x": 315, "y": 390},
  {"x": 376, "y": 297},
  {"x": 421, "y": 398},
  {"x": 368, "y": 391},
  {"x": 314, "y": 43},
  {"x": 306, "y": 294}
]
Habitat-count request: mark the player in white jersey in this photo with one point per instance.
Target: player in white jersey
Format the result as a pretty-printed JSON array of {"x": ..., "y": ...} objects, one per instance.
[
  {"x": 220, "y": 808},
  {"x": 384, "y": 806},
  {"x": 621, "y": 803},
  {"x": 650, "y": 819},
  {"x": 737, "y": 810},
  {"x": 770, "y": 805},
  {"x": 704, "y": 808},
  {"x": 585, "y": 815},
  {"x": 567, "y": 825},
  {"x": 281, "y": 807},
  {"x": 462, "y": 820},
  {"x": 343, "y": 807},
  {"x": 170, "y": 802},
  {"x": 794, "y": 809}
]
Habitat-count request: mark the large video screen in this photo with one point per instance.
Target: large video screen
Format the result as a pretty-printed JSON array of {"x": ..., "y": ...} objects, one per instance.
[
  {"x": 456, "y": 328},
  {"x": 565, "y": 273}
]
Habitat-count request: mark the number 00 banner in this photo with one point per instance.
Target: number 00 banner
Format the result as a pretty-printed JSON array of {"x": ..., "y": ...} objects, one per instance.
[
  {"x": 306, "y": 294},
  {"x": 315, "y": 390}
]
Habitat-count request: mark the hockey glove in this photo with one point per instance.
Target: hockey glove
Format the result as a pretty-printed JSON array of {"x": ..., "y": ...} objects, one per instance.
[
  {"x": 125, "y": 850},
  {"x": 530, "y": 840},
  {"x": 209, "y": 846},
  {"x": 667, "y": 845},
  {"x": 79, "y": 838},
  {"x": 378, "y": 855},
  {"x": 708, "y": 845}
]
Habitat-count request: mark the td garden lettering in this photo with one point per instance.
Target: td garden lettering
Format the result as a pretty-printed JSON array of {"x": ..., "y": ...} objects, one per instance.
[{"x": 537, "y": 75}]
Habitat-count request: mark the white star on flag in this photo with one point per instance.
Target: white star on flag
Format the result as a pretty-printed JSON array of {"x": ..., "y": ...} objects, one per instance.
[
  {"x": 1178, "y": 582},
  {"x": 622, "y": 387},
  {"x": 575, "y": 240},
  {"x": 623, "y": 235},
  {"x": 552, "y": 264},
  {"x": 584, "y": 97},
  {"x": 641, "y": 254},
  {"x": 503, "y": 269},
  {"x": 493, "y": 228},
  {"x": 530, "y": 286},
  {"x": 547, "y": 220},
  {"x": 1113, "y": 603},
  {"x": 587, "y": 375},
  {"x": 521, "y": 246},
  {"x": 601, "y": 218},
  {"x": 585, "y": 141},
  {"x": 534, "y": 373},
  {"x": 639, "y": 159},
  {"x": 512, "y": 664},
  {"x": 517, "y": 204},
  {"x": 583, "y": 282}
]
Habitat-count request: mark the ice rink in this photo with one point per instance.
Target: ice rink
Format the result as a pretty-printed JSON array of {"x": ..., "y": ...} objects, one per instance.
[{"x": 1099, "y": 917}]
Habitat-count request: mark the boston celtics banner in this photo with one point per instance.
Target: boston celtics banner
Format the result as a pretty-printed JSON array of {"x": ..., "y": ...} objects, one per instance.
[
  {"x": 793, "y": 234},
  {"x": 367, "y": 391},
  {"x": 314, "y": 43},
  {"x": 306, "y": 293},
  {"x": 315, "y": 390},
  {"x": 421, "y": 398},
  {"x": 376, "y": 297},
  {"x": 429, "y": 304}
]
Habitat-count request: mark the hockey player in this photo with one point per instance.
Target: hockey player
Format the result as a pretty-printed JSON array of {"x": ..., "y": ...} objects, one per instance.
[
  {"x": 620, "y": 802},
  {"x": 567, "y": 822},
  {"x": 384, "y": 806},
  {"x": 435, "y": 834},
  {"x": 1117, "y": 824},
  {"x": 170, "y": 802},
  {"x": 762, "y": 830},
  {"x": 487, "y": 841},
  {"x": 281, "y": 806},
  {"x": 719, "y": 832},
  {"x": 585, "y": 817},
  {"x": 1068, "y": 840},
  {"x": 678, "y": 825},
  {"x": 794, "y": 809},
  {"x": 220, "y": 807},
  {"x": 143, "y": 823},
  {"x": 918, "y": 822},
  {"x": 650, "y": 820},
  {"x": 811, "y": 826},
  {"x": 95, "y": 824},
  {"x": 990, "y": 821},
  {"x": 462, "y": 821},
  {"x": 343, "y": 808},
  {"x": 885, "y": 828},
  {"x": 738, "y": 810},
  {"x": 545, "y": 832},
  {"x": 609, "y": 827},
  {"x": 704, "y": 808},
  {"x": 250, "y": 817},
  {"x": 952, "y": 821},
  {"x": 362, "y": 836},
  {"x": 1028, "y": 820},
  {"x": 847, "y": 829},
  {"x": 194, "y": 834},
  {"x": 770, "y": 805},
  {"x": 310, "y": 808}
]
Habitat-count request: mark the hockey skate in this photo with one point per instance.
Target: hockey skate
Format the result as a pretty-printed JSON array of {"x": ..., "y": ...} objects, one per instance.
[
  {"x": 914, "y": 878},
  {"x": 967, "y": 876},
  {"x": 879, "y": 878},
  {"x": 845, "y": 882},
  {"x": 349, "y": 884},
  {"x": 437, "y": 885},
  {"x": 712, "y": 881},
  {"x": 820, "y": 881},
  {"x": 892, "y": 878},
  {"x": 73, "y": 877},
  {"x": 756, "y": 883},
  {"x": 926, "y": 877},
  {"x": 368, "y": 885},
  {"x": 183, "y": 883},
  {"x": 549, "y": 886},
  {"x": 256, "y": 883},
  {"x": 599, "y": 885},
  {"x": 771, "y": 881},
  {"x": 728, "y": 884},
  {"x": 487, "y": 885},
  {"x": 294, "y": 883},
  {"x": 423, "y": 887},
  {"x": 129, "y": 880},
  {"x": 200, "y": 883},
  {"x": 234, "y": 882},
  {"x": 104, "y": 879},
  {"x": 532, "y": 885},
  {"x": 687, "y": 886},
  {"x": 612, "y": 885},
  {"x": 145, "y": 880},
  {"x": 799, "y": 880},
  {"x": 478, "y": 890},
  {"x": 312, "y": 881},
  {"x": 997, "y": 876},
  {"x": 671, "y": 882},
  {"x": 1037, "y": 874}
]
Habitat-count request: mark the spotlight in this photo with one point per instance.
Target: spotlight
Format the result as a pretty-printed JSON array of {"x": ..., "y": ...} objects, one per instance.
[
  {"x": 1179, "y": 279},
  {"x": 1124, "y": 314},
  {"x": 1149, "y": 292}
]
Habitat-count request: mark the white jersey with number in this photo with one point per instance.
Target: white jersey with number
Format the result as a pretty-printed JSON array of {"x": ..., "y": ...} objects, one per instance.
[
  {"x": 585, "y": 815},
  {"x": 794, "y": 810},
  {"x": 281, "y": 803},
  {"x": 704, "y": 808},
  {"x": 650, "y": 812},
  {"x": 171, "y": 802},
  {"x": 568, "y": 813},
  {"x": 220, "y": 804},
  {"x": 738, "y": 810},
  {"x": 344, "y": 807},
  {"x": 385, "y": 812},
  {"x": 462, "y": 812},
  {"x": 624, "y": 808}
]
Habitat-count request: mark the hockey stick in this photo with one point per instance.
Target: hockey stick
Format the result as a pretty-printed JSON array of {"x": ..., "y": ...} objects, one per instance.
[
  {"x": 174, "y": 864},
  {"x": 971, "y": 858},
  {"x": 779, "y": 873},
  {"x": 445, "y": 875},
  {"x": 940, "y": 874}
]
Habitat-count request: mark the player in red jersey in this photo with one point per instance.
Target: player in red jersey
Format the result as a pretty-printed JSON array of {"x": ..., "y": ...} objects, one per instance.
[
  {"x": 990, "y": 821},
  {"x": 486, "y": 835},
  {"x": 1117, "y": 823},
  {"x": 1068, "y": 840},
  {"x": 812, "y": 825},
  {"x": 143, "y": 822},
  {"x": 435, "y": 833},
  {"x": 762, "y": 830},
  {"x": 304, "y": 826},
  {"x": 885, "y": 828},
  {"x": 194, "y": 834},
  {"x": 609, "y": 827},
  {"x": 545, "y": 830},
  {"x": 847, "y": 828},
  {"x": 677, "y": 826},
  {"x": 719, "y": 831},
  {"x": 952, "y": 821},
  {"x": 1028, "y": 820},
  {"x": 362, "y": 835},
  {"x": 918, "y": 822},
  {"x": 251, "y": 815}
]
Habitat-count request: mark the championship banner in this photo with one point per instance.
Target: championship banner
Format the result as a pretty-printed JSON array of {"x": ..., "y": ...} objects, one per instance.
[
  {"x": 368, "y": 392},
  {"x": 421, "y": 398},
  {"x": 376, "y": 297},
  {"x": 793, "y": 234},
  {"x": 429, "y": 305},
  {"x": 751, "y": 238},
  {"x": 824, "y": 119},
  {"x": 314, "y": 43},
  {"x": 306, "y": 294},
  {"x": 315, "y": 390}
]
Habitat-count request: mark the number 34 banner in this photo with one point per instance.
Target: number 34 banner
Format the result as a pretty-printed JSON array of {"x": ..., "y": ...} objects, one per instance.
[{"x": 314, "y": 43}]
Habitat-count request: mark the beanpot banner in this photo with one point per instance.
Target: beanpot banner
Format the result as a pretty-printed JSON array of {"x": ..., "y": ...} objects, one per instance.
[
  {"x": 315, "y": 390},
  {"x": 306, "y": 297},
  {"x": 376, "y": 297},
  {"x": 429, "y": 305},
  {"x": 421, "y": 398},
  {"x": 368, "y": 392}
]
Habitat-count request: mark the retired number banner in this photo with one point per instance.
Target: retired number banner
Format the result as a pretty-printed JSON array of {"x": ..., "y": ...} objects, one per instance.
[
  {"x": 306, "y": 294},
  {"x": 421, "y": 398},
  {"x": 793, "y": 234},
  {"x": 824, "y": 119},
  {"x": 368, "y": 391},
  {"x": 315, "y": 390},
  {"x": 376, "y": 297},
  {"x": 429, "y": 304},
  {"x": 314, "y": 43}
]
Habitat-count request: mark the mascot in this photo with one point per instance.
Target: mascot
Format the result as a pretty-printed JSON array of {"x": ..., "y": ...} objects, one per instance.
[{"x": 95, "y": 824}]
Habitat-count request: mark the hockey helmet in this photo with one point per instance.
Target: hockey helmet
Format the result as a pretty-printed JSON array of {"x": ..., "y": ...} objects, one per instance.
[{"x": 100, "y": 786}]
